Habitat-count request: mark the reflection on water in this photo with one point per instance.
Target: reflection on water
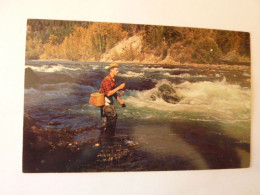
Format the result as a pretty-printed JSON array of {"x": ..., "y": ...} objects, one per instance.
[
  {"x": 87, "y": 135},
  {"x": 201, "y": 145},
  {"x": 160, "y": 141},
  {"x": 169, "y": 146}
]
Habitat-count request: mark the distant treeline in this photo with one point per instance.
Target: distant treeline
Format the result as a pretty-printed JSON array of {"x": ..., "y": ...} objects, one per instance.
[{"x": 87, "y": 41}]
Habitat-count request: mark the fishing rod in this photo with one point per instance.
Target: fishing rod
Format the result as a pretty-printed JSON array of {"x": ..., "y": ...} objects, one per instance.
[
  {"x": 131, "y": 71},
  {"x": 122, "y": 91}
]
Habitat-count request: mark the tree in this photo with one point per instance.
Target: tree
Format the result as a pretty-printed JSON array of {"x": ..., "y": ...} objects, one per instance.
[{"x": 206, "y": 51}]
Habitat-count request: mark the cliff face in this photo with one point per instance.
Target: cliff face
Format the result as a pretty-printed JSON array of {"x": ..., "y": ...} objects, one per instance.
[
  {"x": 125, "y": 48},
  {"x": 131, "y": 50}
]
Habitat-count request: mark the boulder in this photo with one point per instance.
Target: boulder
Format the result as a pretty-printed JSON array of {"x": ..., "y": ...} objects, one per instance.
[
  {"x": 166, "y": 89},
  {"x": 167, "y": 93},
  {"x": 31, "y": 79}
]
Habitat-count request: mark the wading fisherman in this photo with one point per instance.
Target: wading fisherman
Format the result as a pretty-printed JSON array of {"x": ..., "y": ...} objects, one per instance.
[{"x": 109, "y": 89}]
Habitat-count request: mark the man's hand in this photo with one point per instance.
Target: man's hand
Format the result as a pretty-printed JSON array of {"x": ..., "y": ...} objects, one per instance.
[{"x": 121, "y": 102}]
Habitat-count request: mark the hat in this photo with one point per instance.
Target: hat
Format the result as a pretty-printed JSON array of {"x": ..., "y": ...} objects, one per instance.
[{"x": 112, "y": 65}]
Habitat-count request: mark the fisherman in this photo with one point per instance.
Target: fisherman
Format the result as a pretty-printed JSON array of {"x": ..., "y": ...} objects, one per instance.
[{"x": 109, "y": 89}]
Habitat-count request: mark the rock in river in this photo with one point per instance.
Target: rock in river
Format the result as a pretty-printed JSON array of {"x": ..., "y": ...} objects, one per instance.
[
  {"x": 167, "y": 93},
  {"x": 31, "y": 79}
]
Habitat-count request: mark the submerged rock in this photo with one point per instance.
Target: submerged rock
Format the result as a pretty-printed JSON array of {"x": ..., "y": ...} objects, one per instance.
[{"x": 167, "y": 93}]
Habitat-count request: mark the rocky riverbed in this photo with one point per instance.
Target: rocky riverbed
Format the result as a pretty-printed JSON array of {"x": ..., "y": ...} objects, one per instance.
[
  {"x": 85, "y": 150},
  {"x": 55, "y": 151},
  {"x": 81, "y": 150}
]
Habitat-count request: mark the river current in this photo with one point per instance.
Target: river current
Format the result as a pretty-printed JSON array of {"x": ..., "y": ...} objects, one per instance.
[{"x": 212, "y": 117}]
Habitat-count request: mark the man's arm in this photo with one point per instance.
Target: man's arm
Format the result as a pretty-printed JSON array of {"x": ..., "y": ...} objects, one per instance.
[{"x": 113, "y": 91}]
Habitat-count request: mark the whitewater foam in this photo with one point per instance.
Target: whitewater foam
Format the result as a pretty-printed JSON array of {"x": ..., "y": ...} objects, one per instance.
[
  {"x": 183, "y": 75},
  {"x": 131, "y": 74},
  {"x": 51, "y": 68},
  {"x": 218, "y": 100},
  {"x": 164, "y": 69}
]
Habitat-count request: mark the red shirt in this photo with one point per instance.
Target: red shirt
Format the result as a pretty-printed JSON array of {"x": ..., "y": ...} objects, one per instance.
[{"x": 107, "y": 84}]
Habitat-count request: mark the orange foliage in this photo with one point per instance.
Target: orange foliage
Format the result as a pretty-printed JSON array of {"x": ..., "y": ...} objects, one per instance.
[{"x": 85, "y": 43}]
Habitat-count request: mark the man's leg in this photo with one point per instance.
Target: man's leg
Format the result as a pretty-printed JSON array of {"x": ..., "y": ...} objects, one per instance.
[
  {"x": 111, "y": 119},
  {"x": 103, "y": 120}
]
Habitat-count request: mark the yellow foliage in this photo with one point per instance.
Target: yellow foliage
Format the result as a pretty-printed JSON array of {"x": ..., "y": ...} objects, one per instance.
[
  {"x": 89, "y": 43},
  {"x": 85, "y": 43},
  {"x": 33, "y": 48}
]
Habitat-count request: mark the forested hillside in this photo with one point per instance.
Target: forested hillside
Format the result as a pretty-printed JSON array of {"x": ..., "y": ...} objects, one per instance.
[{"x": 92, "y": 41}]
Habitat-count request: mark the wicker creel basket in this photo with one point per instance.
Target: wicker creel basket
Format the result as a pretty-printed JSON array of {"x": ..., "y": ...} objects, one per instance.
[{"x": 97, "y": 99}]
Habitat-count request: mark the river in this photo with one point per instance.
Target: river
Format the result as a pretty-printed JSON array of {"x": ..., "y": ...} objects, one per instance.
[{"x": 208, "y": 128}]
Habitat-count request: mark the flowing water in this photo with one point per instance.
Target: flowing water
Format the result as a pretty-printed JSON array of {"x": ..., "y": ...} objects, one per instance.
[{"x": 208, "y": 128}]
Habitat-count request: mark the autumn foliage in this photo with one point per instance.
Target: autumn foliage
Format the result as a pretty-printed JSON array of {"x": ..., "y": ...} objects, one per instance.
[{"x": 88, "y": 41}]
